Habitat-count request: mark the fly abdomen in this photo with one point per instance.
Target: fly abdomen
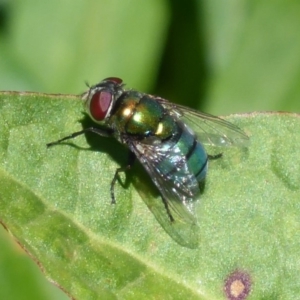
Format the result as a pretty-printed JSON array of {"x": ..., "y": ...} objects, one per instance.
[
  {"x": 184, "y": 156},
  {"x": 197, "y": 161},
  {"x": 193, "y": 153}
]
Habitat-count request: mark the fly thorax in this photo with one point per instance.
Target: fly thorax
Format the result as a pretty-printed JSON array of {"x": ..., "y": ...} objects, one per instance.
[
  {"x": 123, "y": 111},
  {"x": 141, "y": 116},
  {"x": 145, "y": 120}
]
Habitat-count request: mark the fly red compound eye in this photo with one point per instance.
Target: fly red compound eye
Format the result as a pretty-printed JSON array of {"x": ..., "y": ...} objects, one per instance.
[{"x": 100, "y": 104}]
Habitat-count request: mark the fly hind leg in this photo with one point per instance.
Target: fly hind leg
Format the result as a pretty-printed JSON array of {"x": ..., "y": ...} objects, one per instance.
[
  {"x": 216, "y": 156},
  {"x": 167, "y": 209},
  {"x": 131, "y": 159}
]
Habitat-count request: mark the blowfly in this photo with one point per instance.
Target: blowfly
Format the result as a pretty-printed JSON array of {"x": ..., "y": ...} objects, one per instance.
[{"x": 167, "y": 139}]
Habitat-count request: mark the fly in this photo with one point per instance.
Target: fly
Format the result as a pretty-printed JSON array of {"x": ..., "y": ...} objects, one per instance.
[{"x": 167, "y": 139}]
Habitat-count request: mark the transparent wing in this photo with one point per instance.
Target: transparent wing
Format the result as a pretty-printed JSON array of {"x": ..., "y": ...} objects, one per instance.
[
  {"x": 209, "y": 129},
  {"x": 175, "y": 210}
]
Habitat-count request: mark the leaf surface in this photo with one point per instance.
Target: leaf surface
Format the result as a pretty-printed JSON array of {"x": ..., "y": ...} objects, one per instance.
[{"x": 56, "y": 203}]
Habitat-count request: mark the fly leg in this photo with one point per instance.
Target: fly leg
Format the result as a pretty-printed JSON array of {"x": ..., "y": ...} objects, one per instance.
[
  {"x": 212, "y": 157},
  {"x": 131, "y": 159},
  {"x": 98, "y": 131},
  {"x": 167, "y": 209}
]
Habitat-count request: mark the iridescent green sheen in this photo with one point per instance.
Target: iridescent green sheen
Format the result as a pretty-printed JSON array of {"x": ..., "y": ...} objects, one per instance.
[
  {"x": 145, "y": 118},
  {"x": 166, "y": 127},
  {"x": 141, "y": 116},
  {"x": 197, "y": 162},
  {"x": 124, "y": 110}
]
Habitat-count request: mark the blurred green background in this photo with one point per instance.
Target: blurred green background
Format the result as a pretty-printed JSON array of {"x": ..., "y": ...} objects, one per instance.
[{"x": 218, "y": 56}]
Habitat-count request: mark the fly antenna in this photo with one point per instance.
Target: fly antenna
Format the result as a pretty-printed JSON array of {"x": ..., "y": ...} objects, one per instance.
[{"x": 87, "y": 84}]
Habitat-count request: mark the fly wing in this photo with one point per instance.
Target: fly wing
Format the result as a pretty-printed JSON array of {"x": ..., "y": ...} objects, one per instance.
[
  {"x": 175, "y": 211},
  {"x": 209, "y": 129}
]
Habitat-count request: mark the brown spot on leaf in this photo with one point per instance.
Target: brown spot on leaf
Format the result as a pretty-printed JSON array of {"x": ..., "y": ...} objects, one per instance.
[{"x": 237, "y": 285}]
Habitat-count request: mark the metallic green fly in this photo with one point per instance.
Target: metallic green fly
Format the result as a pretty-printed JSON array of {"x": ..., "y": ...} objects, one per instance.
[{"x": 167, "y": 139}]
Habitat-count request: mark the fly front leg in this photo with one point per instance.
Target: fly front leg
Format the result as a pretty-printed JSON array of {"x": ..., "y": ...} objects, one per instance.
[
  {"x": 102, "y": 132},
  {"x": 131, "y": 159}
]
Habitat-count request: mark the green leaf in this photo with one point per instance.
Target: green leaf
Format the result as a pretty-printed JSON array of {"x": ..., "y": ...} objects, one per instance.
[
  {"x": 14, "y": 264},
  {"x": 56, "y": 203}
]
